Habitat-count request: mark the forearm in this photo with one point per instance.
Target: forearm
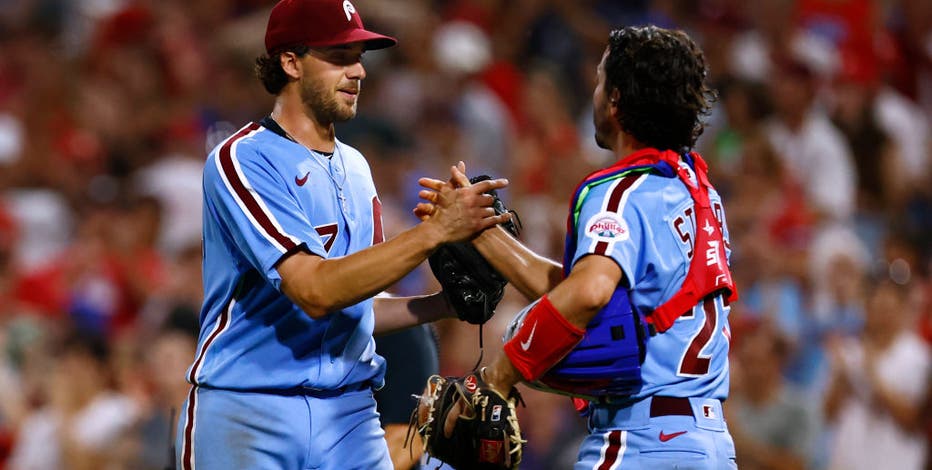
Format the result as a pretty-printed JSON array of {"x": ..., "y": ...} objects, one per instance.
[
  {"x": 529, "y": 273},
  {"x": 403, "y": 458},
  {"x": 397, "y": 313},
  {"x": 320, "y": 286},
  {"x": 572, "y": 305}
]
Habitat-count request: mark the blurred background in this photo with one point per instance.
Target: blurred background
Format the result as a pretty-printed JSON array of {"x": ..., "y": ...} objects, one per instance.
[{"x": 820, "y": 144}]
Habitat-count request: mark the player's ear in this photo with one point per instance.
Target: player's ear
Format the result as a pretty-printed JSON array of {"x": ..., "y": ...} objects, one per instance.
[
  {"x": 613, "y": 106},
  {"x": 291, "y": 64}
]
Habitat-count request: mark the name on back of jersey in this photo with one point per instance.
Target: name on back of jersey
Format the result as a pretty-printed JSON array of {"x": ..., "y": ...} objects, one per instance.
[{"x": 683, "y": 225}]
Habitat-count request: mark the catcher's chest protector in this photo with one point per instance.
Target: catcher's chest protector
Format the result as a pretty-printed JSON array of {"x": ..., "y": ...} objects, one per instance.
[{"x": 607, "y": 362}]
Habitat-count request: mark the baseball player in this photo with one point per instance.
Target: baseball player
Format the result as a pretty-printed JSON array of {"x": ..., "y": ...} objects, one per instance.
[
  {"x": 293, "y": 254},
  {"x": 644, "y": 272}
]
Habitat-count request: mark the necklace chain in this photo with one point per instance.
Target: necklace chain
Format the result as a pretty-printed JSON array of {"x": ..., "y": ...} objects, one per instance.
[{"x": 336, "y": 154}]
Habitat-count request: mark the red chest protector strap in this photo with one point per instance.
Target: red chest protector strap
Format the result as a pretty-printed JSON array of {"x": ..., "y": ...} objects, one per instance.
[{"x": 708, "y": 269}]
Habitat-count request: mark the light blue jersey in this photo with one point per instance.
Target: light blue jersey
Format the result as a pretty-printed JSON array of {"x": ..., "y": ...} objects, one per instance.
[
  {"x": 644, "y": 221},
  {"x": 272, "y": 387},
  {"x": 643, "y": 217},
  {"x": 266, "y": 196}
]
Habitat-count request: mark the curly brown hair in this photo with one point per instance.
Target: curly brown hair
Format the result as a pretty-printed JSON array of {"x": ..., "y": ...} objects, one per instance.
[
  {"x": 660, "y": 75},
  {"x": 269, "y": 69}
]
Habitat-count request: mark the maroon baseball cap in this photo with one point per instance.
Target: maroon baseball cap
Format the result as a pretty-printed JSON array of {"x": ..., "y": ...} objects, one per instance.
[{"x": 319, "y": 23}]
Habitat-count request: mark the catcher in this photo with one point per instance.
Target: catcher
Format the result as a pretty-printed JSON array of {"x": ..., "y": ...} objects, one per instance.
[{"x": 634, "y": 324}]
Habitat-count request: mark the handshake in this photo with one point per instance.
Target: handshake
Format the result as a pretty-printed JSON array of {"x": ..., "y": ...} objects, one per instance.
[{"x": 470, "y": 284}]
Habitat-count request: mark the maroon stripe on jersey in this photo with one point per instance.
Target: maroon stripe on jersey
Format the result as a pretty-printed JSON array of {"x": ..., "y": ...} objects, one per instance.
[
  {"x": 221, "y": 325},
  {"x": 243, "y": 194},
  {"x": 614, "y": 200},
  {"x": 600, "y": 247},
  {"x": 377, "y": 235},
  {"x": 187, "y": 451},
  {"x": 611, "y": 454}
]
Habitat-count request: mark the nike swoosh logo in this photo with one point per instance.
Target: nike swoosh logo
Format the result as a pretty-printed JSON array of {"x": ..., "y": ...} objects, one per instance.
[
  {"x": 667, "y": 437},
  {"x": 301, "y": 181},
  {"x": 527, "y": 344}
]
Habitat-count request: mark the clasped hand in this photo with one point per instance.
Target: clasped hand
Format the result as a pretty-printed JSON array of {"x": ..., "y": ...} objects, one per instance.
[{"x": 459, "y": 208}]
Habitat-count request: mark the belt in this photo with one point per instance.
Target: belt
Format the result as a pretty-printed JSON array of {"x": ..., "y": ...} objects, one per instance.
[
  {"x": 297, "y": 391},
  {"x": 670, "y": 406},
  {"x": 706, "y": 412},
  {"x": 335, "y": 392}
]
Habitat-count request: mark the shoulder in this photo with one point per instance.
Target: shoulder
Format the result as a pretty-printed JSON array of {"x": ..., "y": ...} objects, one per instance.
[
  {"x": 642, "y": 192},
  {"x": 248, "y": 144},
  {"x": 245, "y": 140},
  {"x": 615, "y": 186}
]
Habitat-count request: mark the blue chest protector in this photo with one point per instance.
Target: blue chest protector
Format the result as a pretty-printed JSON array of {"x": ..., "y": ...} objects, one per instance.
[{"x": 607, "y": 362}]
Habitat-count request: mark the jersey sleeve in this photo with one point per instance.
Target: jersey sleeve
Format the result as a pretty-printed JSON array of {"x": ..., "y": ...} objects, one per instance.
[
  {"x": 609, "y": 225},
  {"x": 256, "y": 208}
]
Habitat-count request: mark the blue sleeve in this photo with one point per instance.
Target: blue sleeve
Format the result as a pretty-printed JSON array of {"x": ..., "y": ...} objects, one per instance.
[
  {"x": 618, "y": 234},
  {"x": 256, "y": 208}
]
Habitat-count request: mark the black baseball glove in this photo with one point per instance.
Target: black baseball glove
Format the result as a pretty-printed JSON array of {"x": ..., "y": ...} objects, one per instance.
[
  {"x": 471, "y": 285},
  {"x": 485, "y": 436}
]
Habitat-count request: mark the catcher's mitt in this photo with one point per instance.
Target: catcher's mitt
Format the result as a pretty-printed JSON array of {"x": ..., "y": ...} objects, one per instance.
[
  {"x": 471, "y": 285},
  {"x": 485, "y": 435}
]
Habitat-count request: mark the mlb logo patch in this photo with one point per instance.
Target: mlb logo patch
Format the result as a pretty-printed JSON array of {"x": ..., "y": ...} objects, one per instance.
[
  {"x": 708, "y": 411},
  {"x": 496, "y": 413}
]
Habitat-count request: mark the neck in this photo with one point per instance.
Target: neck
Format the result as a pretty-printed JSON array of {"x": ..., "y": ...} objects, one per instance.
[
  {"x": 625, "y": 145},
  {"x": 289, "y": 112}
]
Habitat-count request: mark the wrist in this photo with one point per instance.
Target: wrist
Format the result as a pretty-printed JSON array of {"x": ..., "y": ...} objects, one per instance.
[
  {"x": 543, "y": 340},
  {"x": 443, "y": 306},
  {"x": 501, "y": 375},
  {"x": 430, "y": 233}
]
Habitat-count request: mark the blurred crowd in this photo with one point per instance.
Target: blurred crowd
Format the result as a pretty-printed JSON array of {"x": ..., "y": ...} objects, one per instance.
[{"x": 820, "y": 144}]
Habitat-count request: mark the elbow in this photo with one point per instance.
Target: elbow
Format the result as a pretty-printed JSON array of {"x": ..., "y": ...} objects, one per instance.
[
  {"x": 316, "y": 299},
  {"x": 311, "y": 302},
  {"x": 314, "y": 311},
  {"x": 596, "y": 295},
  {"x": 315, "y": 305}
]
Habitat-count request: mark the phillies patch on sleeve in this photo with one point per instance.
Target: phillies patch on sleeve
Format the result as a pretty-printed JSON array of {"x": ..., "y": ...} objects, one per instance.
[{"x": 607, "y": 227}]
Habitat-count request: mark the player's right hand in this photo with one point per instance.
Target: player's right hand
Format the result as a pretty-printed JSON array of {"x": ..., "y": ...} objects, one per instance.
[
  {"x": 458, "y": 178},
  {"x": 458, "y": 213}
]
